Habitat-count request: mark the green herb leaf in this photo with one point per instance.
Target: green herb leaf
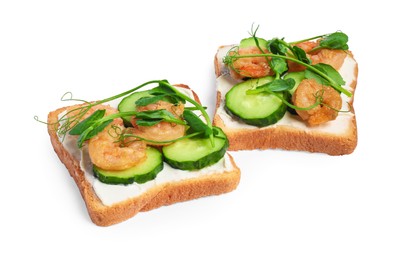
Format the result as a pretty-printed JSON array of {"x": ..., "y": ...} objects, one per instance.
[
  {"x": 335, "y": 41},
  {"x": 277, "y": 46},
  {"x": 160, "y": 114},
  {"x": 171, "y": 98},
  {"x": 144, "y": 101},
  {"x": 278, "y": 65},
  {"x": 276, "y": 85},
  {"x": 282, "y": 85},
  {"x": 166, "y": 94},
  {"x": 83, "y": 137},
  {"x": 300, "y": 54},
  {"x": 174, "y": 99},
  {"x": 86, "y": 123},
  {"x": 149, "y": 122},
  {"x": 98, "y": 129},
  {"x": 308, "y": 74},
  {"x": 161, "y": 89},
  {"x": 196, "y": 124},
  {"x": 91, "y": 131},
  {"x": 329, "y": 71}
]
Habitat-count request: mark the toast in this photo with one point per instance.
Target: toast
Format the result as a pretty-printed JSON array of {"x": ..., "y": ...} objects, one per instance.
[
  {"x": 110, "y": 204},
  {"x": 337, "y": 137}
]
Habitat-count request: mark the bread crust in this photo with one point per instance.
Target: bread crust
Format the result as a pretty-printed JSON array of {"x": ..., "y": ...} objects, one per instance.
[
  {"x": 283, "y": 136},
  {"x": 160, "y": 195}
]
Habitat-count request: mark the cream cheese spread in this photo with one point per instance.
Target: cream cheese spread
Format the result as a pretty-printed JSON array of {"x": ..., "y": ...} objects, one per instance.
[
  {"x": 225, "y": 82},
  {"x": 110, "y": 194}
]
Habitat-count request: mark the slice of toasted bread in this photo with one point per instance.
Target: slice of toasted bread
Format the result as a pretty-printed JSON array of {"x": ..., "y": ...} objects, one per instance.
[
  {"x": 337, "y": 137},
  {"x": 153, "y": 195}
]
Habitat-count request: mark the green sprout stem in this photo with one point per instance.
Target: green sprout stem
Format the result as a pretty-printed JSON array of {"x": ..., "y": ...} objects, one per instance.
[
  {"x": 127, "y": 92},
  {"x": 308, "y": 39},
  {"x": 132, "y": 113},
  {"x": 316, "y": 49}
]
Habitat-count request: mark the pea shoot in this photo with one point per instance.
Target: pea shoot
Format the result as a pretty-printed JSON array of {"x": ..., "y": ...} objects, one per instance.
[
  {"x": 281, "y": 51},
  {"x": 72, "y": 121}
]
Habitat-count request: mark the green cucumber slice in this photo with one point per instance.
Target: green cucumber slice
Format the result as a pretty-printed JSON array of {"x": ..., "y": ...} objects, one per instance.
[
  {"x": 260, "y": 109},
  {"x": 128, "y": 104},
  {"x": 196, "y": 153},
  {"x": 297, "y": 76},
  {"x": 250, "y": 42},
  {"x": 140, "y": 173}
]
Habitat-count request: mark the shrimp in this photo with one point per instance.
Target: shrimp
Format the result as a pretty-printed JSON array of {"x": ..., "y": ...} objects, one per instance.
[
  {"x": 163, "y": 131},
  {"x": 253, "y": 67},
  {"x": 306, "y": 95},
  {"x": 335, "y": 58},
  {"x": 306, "y": 46},
  {"x": 108, "y": 154}
]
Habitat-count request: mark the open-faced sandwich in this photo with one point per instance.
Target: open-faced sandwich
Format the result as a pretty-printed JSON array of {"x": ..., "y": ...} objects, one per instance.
[
  {"x": 151, "y": 146},
  {"x": 287, "y": 95}
]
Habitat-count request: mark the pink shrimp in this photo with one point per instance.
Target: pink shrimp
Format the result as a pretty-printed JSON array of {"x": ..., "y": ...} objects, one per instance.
[
  {"x": 335, "y": 58},
  {"x": 306, "y": 95},
  {"x": 251, "y": 67},
  {"x": 104, "y": 149},
  {"x": 109, "y": 154},
  {"x": 163, "y": 131}
]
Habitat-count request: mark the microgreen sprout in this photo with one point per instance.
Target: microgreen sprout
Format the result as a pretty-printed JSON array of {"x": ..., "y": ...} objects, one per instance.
[
  {"x": 280, "y": 52},
  {"x": 73, "y": 122}
]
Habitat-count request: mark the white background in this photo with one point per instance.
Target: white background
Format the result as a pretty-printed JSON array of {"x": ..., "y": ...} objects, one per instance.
[{"x": 289, "y": 205}]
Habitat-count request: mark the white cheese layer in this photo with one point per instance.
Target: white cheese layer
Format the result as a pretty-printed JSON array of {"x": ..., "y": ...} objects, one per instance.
[
  {"x": 111, "y": 194},
  {"x": 340, "y": 125}
]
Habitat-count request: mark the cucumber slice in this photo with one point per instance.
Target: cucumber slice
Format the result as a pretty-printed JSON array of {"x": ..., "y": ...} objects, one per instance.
[
  {"x": 250, "y": 42},
  {"x": 128, "y": 104},
  {"x": 140, "y": 173},
  {"x": 297, "y": 76},
  {"x": 196, "y": 153},
  {"x": 255, "y": 109}
]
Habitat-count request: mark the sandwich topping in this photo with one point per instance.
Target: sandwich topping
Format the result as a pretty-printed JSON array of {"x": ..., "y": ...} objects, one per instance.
[
  {"x": 148, "y": 131},
  {"x": 274, "y": 77}
]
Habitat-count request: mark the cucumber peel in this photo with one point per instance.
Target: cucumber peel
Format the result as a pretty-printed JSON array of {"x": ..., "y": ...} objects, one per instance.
[
  {"x": 196, "y": 153},
  {"x": 260, "y": 109},
  {"x": 140, "y": 173},
  {"x": 250, "y": 42},
  {"x": 128, "y": 104}
]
